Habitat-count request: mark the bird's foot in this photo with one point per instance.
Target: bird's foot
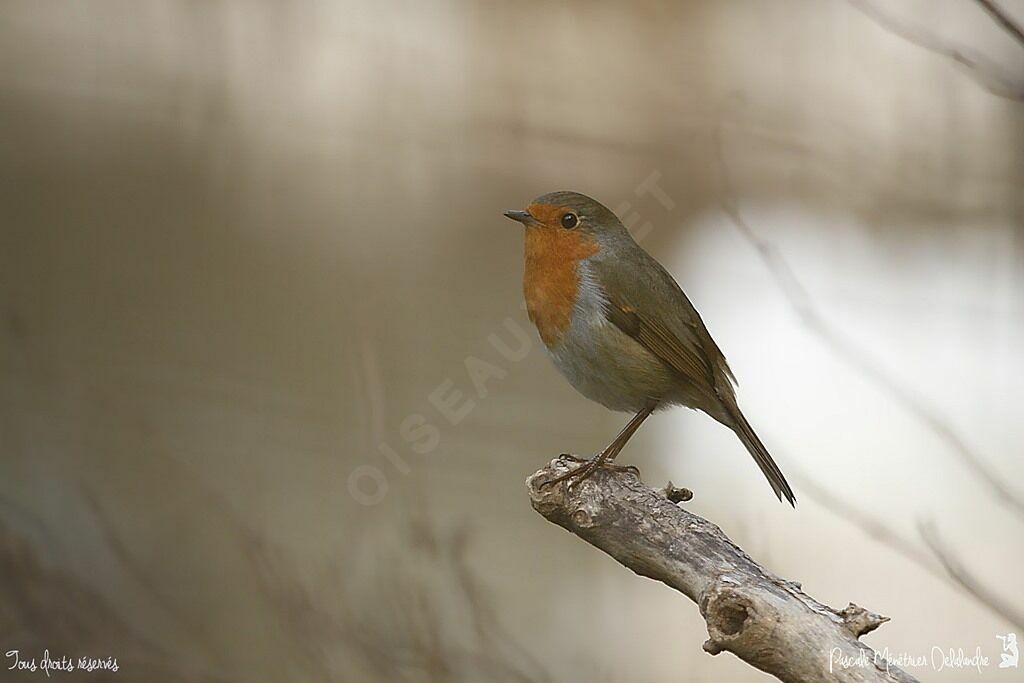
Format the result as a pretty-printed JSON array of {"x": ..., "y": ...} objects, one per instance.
[{"x": 587, "y": 468}]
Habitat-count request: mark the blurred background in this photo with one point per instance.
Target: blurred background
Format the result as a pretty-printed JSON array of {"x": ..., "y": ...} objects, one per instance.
[{"x": 268, "y": 394}]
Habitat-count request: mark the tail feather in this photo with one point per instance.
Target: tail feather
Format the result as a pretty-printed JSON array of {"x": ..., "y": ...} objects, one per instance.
[{"x": 761, "y": 456}]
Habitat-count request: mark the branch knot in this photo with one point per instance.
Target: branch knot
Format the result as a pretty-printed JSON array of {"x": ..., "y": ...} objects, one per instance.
[{"x": 859, "y": 621}]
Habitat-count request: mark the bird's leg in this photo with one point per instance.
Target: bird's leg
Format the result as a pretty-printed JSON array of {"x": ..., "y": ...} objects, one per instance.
[
  {"x": 619, "y": 442},
  {"x": 604, "y": 458}
]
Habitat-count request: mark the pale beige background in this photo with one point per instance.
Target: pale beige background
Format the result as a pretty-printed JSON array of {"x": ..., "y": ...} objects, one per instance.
[{"x": 243, "y": 242}]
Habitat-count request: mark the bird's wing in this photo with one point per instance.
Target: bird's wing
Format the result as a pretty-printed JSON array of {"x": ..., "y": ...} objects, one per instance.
[
  {"x": 679, "y": 354},
  {"x": 647, "y": 304}
]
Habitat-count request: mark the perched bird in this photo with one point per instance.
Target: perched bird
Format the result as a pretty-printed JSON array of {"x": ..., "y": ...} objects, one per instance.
[{"x": 620, "y": 329}]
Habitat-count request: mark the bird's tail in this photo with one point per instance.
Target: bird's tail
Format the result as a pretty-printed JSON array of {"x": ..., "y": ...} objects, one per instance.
[{"x": 761, "y": 456}]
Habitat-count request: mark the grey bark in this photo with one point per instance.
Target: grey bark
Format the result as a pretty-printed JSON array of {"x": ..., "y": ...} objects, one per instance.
[{"x": 766, "y": 621}]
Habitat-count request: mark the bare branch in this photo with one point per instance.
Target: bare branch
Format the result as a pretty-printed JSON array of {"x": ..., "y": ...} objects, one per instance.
[
  {"x": 965, "y": 579},
  {"x": 855, "y": 357},
  {"x": 871, "y": 526},
  {"x": 800, "y": 301},
  {"x": 937, "y": 563},
  {"x": 1003, "y": 19},
  {"x": 982, "y": 69},
  {"x": 766, "y": 621}
]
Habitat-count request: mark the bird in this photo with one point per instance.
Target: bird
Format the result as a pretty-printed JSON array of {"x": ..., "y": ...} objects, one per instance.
[{"x": 620, "y": 329}]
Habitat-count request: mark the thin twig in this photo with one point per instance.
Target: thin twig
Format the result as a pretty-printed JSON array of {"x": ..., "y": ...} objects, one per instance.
[
  {"x": 964, "y": 579},
  {"x": 870, "y": 525},
  {"x": 796, "y": 294},
  {"x": 937, "y": 564},
  {"x": 983, "y": 70},
  {"x": 1003, "y": 19}
]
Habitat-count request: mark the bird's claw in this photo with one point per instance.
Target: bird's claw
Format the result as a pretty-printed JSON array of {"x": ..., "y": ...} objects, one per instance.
[{"x": 587, "y": 468}]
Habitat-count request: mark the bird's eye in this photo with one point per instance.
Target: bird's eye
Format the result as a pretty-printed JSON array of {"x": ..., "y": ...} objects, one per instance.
[{"x": 570, "y": 221}]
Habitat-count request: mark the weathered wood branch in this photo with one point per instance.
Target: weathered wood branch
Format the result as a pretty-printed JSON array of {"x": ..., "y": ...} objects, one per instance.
[{"x": 766, "y": 621}]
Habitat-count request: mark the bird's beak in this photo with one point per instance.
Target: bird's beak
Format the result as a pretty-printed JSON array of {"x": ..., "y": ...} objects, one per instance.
[{"x": 523, "y": 217}]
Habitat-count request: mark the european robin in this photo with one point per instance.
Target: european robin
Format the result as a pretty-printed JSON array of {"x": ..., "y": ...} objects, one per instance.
[{"x": 620, "y": 329}]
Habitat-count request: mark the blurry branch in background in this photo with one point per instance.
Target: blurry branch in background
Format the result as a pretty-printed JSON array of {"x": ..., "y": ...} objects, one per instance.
[
  {"x": 766, "y": 621},
  {"x": 1003, "y": 19},
  {"x": 800, "y": 301},
  {"x": 411, "y": 633},
  {"x": 127, "y": 562},
  {"x": 42, "y": 608},
  {"x": 485, "y": 619},
  {"x": 941, "y": 563},
  {"x": 870, "y": 525},
  {"x": 430, "y": 596},
  {"x": 858, "y": 359},
  {"x": 435, "y": 620},
  {"x": 983, "y": 70},
  {"x": 422, "y": 595},
  {"x": 964, "y": 579}
]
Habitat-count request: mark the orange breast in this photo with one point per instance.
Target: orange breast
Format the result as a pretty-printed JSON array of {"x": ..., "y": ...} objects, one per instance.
[{"x": 550, "y": 281}]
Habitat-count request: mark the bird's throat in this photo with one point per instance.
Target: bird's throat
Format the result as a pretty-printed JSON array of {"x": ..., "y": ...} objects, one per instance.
[{"x": 551, "y": 279}]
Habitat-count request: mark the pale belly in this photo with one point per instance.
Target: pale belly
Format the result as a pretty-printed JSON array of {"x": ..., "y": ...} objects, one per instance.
[{"x": 609, "y": 367}]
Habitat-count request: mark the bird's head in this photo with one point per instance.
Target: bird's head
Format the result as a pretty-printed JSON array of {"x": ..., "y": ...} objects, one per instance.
[{"x": 564, "y": 211}]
